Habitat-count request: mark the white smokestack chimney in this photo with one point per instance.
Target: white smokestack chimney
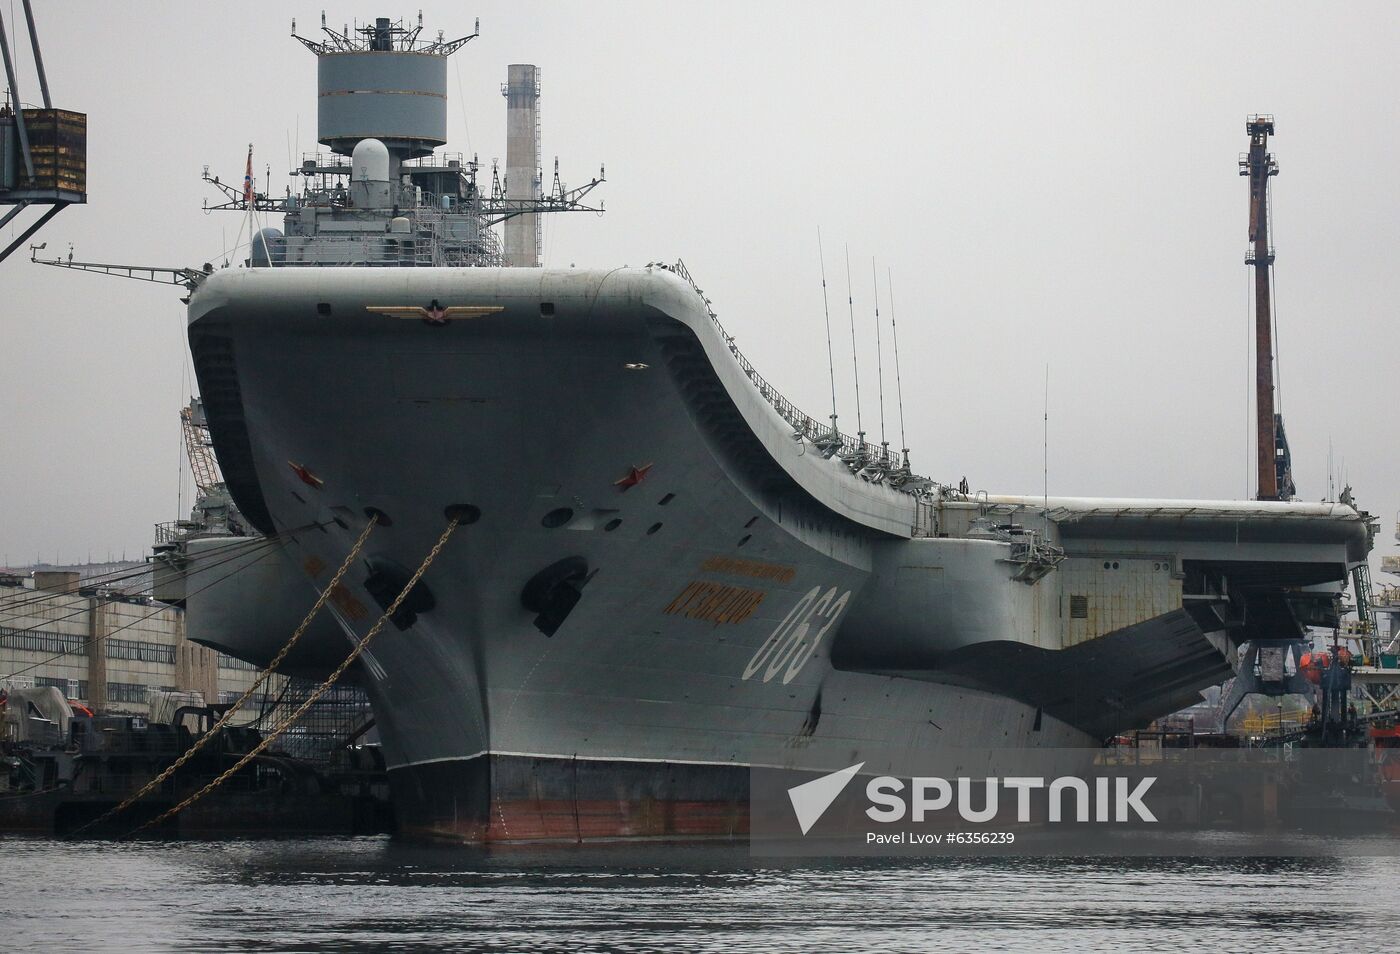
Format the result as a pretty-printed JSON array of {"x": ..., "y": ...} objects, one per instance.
[{"x": 522, "y": 92}]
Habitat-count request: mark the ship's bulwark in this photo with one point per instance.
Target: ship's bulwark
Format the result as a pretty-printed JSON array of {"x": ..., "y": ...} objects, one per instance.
[{"x": 656, "y": 574}]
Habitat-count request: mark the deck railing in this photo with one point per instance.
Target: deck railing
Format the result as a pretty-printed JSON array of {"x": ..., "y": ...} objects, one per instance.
[{"x": 872, "y": 462}]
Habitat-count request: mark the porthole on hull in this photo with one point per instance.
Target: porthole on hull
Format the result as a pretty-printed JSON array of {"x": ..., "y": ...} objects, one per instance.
[{"x": 557, "y": 518}]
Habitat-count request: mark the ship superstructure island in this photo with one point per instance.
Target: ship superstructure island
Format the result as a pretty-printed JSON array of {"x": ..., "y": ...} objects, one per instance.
[{"x": 661, "y": 572}]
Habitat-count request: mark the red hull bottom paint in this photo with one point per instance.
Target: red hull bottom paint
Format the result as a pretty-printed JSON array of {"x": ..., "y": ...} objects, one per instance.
[{"x": 514, "y": 798}]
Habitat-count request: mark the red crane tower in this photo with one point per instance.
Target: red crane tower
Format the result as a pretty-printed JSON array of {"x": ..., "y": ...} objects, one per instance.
[{"x": 1275, "y": 464}]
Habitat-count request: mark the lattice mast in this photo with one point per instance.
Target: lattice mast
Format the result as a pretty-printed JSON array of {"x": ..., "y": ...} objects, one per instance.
[{"x": 199, "y": 446}]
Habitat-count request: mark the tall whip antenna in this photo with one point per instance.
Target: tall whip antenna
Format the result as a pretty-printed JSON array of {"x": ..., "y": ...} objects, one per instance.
[
  {"x": 898, "y": 384},
  {"x": 1045, "y": 444},
  {"x": 826, "y": 310},
  {"x": 855, "y": 359},
  {"x": 879, "y": 359}
]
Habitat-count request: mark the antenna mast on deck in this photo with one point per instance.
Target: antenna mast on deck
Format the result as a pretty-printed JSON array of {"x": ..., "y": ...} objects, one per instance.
[{"x": 1275, "y": 466}]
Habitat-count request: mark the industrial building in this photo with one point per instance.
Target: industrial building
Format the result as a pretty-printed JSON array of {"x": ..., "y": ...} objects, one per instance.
[{"x": 106, "y": 648}]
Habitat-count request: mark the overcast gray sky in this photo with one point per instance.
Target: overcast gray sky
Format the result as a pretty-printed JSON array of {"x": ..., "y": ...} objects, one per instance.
[{"x": 1050, "y": 183}]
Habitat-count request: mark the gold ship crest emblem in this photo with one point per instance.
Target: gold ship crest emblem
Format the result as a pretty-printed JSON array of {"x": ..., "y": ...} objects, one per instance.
[{"x": 435, "y": 314}]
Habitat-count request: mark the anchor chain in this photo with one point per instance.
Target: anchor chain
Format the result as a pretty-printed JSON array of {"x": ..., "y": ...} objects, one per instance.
[
  {"x": 320, "y": 690},
  {"x": 267, "y": 673}
]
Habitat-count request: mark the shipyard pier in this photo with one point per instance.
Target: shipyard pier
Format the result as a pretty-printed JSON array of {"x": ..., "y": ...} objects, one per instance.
[{"x": 105, "y": 691}]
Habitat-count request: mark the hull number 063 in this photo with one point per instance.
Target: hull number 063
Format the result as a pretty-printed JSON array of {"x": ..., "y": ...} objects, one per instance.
[{"x": 798, "y": 636}]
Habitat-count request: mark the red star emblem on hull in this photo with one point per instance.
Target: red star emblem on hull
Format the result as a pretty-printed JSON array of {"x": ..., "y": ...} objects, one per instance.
[
  {"x": 306, "y": 476},
  {"x": 634, "y": 476}
]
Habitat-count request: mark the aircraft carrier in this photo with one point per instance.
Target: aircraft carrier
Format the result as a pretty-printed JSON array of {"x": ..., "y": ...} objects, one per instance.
[{"x": 662, "y": 572}]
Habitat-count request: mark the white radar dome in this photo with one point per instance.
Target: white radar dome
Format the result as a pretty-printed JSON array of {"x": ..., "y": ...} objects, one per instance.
[
  {"x": 268, "y": 248},
  {"x": 369, "y": 175},
  {"x": 370, "y": 161}
]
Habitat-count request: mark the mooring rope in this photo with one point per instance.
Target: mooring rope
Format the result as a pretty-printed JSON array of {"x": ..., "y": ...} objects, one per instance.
[
  {"x": 266, "y": 674},
  {"x": 320, "y": 690}
]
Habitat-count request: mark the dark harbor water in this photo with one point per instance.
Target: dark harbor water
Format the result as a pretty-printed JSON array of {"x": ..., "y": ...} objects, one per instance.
[{"x": 379, "y": 894}]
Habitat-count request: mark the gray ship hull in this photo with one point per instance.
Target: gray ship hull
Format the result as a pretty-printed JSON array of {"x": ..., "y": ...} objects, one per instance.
[{"x": 659, "y": 574}]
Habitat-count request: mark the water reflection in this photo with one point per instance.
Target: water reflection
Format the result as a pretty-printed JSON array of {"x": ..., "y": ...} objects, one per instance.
[{"x": 374, "y": 894}]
